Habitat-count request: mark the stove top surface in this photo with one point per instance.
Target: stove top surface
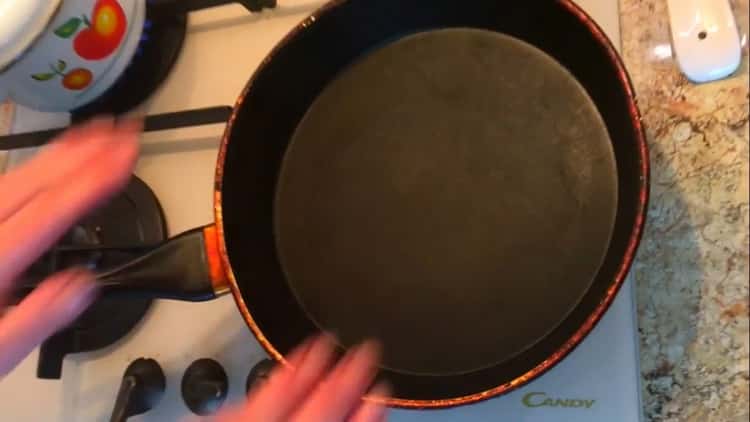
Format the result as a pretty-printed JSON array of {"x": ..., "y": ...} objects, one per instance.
[{"x": 598, "y": 381}]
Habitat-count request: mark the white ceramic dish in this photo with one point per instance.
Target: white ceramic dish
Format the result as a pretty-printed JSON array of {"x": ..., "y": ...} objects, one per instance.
[{"x": 69, "y": 58}]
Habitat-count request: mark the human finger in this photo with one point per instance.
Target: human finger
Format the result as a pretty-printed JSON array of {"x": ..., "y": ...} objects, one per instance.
[
  {"x": 340, "y": 393},
  {"x": 277, "y": 401},
  {"x": 372, "y": 409},
  {"x": 44, "y": 218},
  {"x": 54, "y": 304},
  {"x": 278, "y": 381},
  {"x": 68, "y": 152}
]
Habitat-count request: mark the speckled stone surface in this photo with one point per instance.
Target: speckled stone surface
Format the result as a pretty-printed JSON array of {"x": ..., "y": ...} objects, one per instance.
[{"x": 692, "y": 268}]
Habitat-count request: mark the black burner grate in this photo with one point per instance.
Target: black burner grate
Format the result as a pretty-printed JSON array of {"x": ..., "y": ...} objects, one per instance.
[{"x": 111, "y": 236}]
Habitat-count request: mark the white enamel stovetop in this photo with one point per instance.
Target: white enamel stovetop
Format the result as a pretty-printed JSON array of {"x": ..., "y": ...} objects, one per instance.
[{"x": 599, "y": 381}]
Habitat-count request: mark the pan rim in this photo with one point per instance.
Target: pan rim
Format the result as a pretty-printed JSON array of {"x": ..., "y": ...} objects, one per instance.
[{"x": 592, "y": 319}]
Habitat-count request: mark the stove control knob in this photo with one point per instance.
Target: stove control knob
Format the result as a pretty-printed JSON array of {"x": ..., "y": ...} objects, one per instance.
[
  {"x": 204, "y": 386},
  {"x": 142, "y": 387},
  {"x": 259, "y": 374}
]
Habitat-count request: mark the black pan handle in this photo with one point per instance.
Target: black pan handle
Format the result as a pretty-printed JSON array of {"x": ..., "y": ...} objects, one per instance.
[
  {"x": 156, "y": 122},
  {"x": 173, "y": 7},
  {"x": 187, "y": 267}
]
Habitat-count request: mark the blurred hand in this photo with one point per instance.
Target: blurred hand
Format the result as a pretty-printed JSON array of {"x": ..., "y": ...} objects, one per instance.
[
  {"x": 39, "y": 202},
  {"x": 309, "y": 389}
]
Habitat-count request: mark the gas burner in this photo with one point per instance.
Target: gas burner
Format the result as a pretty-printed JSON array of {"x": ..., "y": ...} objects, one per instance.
[
  {"x": 160, "y": 44},
  {"x": 111, "y": 236}
]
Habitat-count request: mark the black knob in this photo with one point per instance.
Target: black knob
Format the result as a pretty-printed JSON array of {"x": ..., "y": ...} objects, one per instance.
[
  {"x": 204, "y": 386},
  {"x": 142, "y": 387},
  {"x": 259, "y": 374}
]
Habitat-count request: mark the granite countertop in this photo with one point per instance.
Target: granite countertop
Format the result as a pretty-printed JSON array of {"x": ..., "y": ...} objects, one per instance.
[{"x": 692, "y": 269}]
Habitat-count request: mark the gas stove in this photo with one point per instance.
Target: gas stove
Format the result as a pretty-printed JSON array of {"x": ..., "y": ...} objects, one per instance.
[{"x": 598, "y": 381}]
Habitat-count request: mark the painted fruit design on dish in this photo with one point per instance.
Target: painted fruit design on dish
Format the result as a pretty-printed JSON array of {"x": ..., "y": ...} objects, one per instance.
[
  {"x": 75, "y": 79},
  {"x": 102, "y": 33}
]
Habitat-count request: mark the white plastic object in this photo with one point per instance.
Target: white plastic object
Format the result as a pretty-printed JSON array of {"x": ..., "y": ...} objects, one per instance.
[
  {"x": 21, "y": 22},
  {"x": 705, "y": 38}
]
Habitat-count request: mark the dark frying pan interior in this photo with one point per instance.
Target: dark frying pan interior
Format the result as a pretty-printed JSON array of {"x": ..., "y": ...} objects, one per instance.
[
  {"x": 291, "y": 79},
  {"x": 452, "y": 194}
]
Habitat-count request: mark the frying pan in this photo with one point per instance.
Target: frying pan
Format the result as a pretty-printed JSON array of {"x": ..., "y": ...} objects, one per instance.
[{"x": 464, "y": 181}]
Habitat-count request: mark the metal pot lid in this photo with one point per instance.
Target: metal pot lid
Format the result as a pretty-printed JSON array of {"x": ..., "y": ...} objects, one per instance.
[{"x": 21, "y": 22}]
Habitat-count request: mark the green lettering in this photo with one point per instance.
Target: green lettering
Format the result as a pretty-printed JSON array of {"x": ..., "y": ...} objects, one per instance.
[
  {"x": 528, "y": 399},
  {"x": 538, "y": 399}
]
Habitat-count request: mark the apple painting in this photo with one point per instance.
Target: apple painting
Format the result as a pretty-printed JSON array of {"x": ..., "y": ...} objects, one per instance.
[
  {"x": 102, "y": 34},
  {"x": 75, "y": 79}
]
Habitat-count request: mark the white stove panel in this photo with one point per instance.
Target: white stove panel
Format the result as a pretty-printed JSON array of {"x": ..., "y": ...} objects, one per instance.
[{"x": 598, "y": 381}]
